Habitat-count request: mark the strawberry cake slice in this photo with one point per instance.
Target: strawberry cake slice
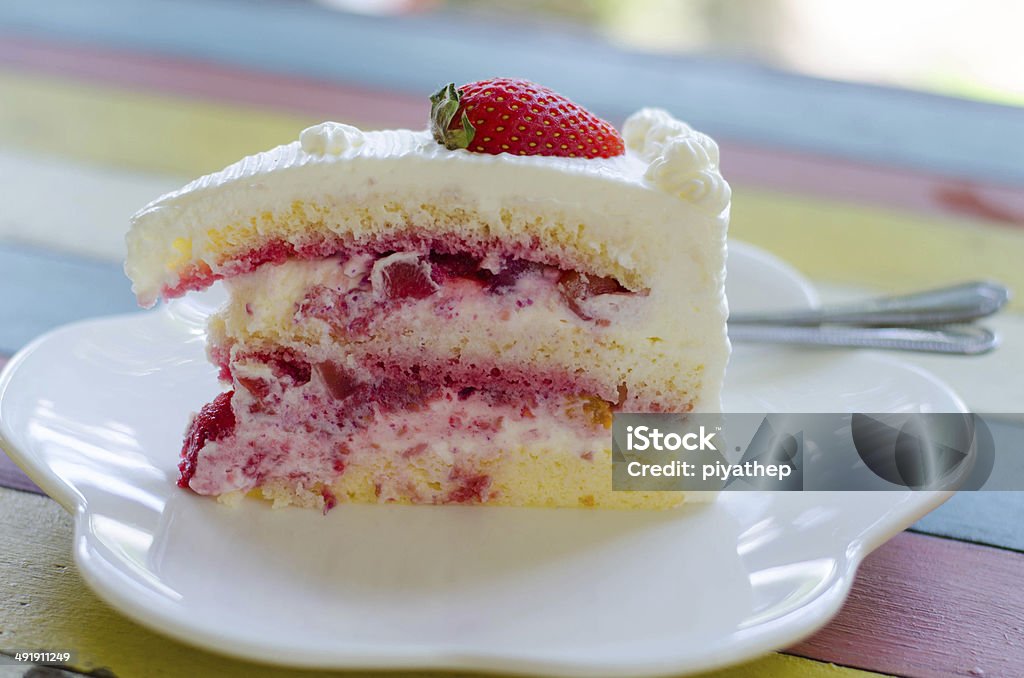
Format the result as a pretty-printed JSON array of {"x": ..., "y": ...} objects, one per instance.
[{"x": 450, "y": 315}]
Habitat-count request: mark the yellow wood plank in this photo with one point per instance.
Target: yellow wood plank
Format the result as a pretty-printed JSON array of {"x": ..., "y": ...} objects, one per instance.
[
  {"x": 787, "y": 666},
  {"x": 112, "y": 125},
  {"x": 877, "y": 247},
  {"x": 45, "y": 605}
]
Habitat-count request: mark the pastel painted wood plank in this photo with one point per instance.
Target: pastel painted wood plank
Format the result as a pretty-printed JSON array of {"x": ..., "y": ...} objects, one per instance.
[
  {"x": 41, "y": 290},
  {"x": 772, "y": 168},
  {"x": 90, "y": 218},
  {"x": 45, "y": 604},
  {"x": 10, "y": 475},
  {"x": 992, "y": 518},
  {"x": 138, "y": 130},
  {"x": 416, "y": 54},
  {"x": 202, "y": 80},
  {"x": 869, "y": 246},
  {"x": 930, "y": 607}
]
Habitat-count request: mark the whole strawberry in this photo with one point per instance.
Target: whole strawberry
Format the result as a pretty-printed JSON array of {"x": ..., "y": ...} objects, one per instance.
[{"x": 507, "y": 115}]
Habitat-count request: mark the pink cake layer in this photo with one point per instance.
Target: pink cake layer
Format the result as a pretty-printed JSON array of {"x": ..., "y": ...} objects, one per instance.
[
  {"x": 318, "y": 245},
  {"x": 376, "y": 381},
  {"x": 302, "y": 437}
]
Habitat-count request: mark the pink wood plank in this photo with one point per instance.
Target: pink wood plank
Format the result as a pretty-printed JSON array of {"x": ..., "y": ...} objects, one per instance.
[
  {"x": 930, "y": 607},
  {"x": 773, "y": 169},
  {"x": 205, "y": 80},
  {"x": 10, "y": 474},
  {"x": 13, "y": 477},
  {"x": 832, "y": 178}
]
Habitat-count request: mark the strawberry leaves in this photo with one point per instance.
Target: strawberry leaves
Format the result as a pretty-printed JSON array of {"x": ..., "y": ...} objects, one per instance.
[{"x": 444, "y": 104}]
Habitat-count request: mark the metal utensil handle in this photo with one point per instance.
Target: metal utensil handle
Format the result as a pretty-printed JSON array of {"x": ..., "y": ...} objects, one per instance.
[
  {"x": 956, "y": 304},
  {"x": 956, "y": 341}
]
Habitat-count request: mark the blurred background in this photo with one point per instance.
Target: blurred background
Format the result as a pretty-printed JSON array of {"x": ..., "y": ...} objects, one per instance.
[{"x": 962, "y": 48}]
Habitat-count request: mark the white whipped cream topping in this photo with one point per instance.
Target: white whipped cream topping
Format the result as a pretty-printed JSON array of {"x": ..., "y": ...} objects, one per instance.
[
  {"x": 646, "y": 131},
  {"x": 331, "y": 138},
  {"x": 683, "y": 162}
]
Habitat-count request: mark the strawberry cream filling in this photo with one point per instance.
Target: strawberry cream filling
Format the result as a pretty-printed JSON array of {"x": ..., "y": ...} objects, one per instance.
[
  {"x": 302, "y": 414},
  {"x": 453, "y": 256}
]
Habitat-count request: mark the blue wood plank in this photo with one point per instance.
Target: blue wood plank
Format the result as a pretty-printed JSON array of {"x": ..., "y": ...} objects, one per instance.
[
  {"x": 991, "y": 518},
  {"x": 41, "y": 290},
  {"x": 738, "y": 101}
]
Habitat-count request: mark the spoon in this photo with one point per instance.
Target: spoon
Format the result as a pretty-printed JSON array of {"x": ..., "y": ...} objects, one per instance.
[
  {"x": 947, "y": 305},
  {"x": 906, "y": 322}
]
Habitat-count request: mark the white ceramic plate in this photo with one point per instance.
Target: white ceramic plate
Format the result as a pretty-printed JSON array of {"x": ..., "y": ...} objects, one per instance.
[{"x": 94, "y": 413}]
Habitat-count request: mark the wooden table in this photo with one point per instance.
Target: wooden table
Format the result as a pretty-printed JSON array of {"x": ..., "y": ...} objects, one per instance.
[{"x": 861, "y": 188}]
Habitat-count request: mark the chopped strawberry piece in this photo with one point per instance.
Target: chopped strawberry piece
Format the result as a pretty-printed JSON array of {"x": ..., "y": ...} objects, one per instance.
[
  {"x": 340, "y": 382},
  {"x": 576, "y": 287},
  {"x": 471, "y": 487},
  {"x": 330, "y": 501},
  {"x": 220, "y": 356},
  {"x": 447, "y": 266},
  {"x": 298, "y": 370},
  {"x": 259, "y": 388},
  {"x": 214, "y": 421},
  {"x": 403, "y": 276}
]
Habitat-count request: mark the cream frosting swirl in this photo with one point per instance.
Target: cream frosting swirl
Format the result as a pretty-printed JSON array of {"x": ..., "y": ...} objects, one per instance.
[
  {"x": 683, "y": 162},
  {"x": 330, "y": 138}
]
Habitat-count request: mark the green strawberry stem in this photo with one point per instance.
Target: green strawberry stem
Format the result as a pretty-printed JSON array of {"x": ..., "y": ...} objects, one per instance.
[{"x": 444, "y": 104}]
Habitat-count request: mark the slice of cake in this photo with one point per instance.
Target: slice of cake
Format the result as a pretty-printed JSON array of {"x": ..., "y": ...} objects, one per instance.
[{"x": 450, "y": 315}]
